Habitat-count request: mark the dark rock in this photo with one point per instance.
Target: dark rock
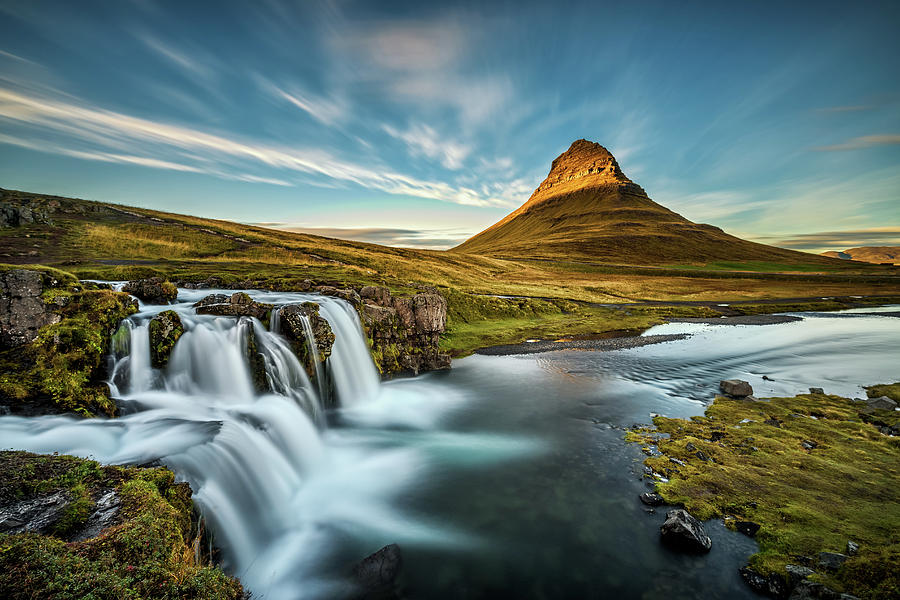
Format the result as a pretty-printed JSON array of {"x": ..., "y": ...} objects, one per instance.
[
  {"x": 106, "y": 513},
  {"x": 256, "y": 361},
  {"x": 808, "y": 590},
  {"x": 154, "y": 290},
  {"x": 831, "y": 561},
  {"x": 772, "y": 585},
  {"x": 683, "y": 532},
  {"x": 736, "y": 388},
  {"x": 690, "y": 447},
  {"x": 34, "y": 515},
  {"x": 292, "y": 317},
  {"x": 22, "y": 309},
  {"x": 748, "y": 528},
  {"x": 852, "y": 548},
  {"x": 773, "y": 422},
  {"x": 239, "y": 304},
  {"x": 881, "y": 403},
  {"x": 165, "y": 329},
  {"x": 796, "y": 574},
  {"x": 809, "y": 444},
  {"x": 815, "y": 390},
  {"x": 652, "y": 499},
  {"x": 767, "y": 378},
  {"x": 375, "y": 576},
  {"x": 350, "y": 295}
]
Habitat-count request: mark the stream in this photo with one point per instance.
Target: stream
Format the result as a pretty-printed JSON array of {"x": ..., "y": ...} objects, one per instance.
[{"x": 505, "y": 477}]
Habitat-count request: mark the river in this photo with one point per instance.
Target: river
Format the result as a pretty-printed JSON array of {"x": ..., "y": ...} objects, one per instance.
[{"x": 505, "y": 477}]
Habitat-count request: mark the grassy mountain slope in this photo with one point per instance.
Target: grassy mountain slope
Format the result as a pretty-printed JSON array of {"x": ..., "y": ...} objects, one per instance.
[
  {"x": 587, "y": 209},
  {"x": 869, "y": 254}
]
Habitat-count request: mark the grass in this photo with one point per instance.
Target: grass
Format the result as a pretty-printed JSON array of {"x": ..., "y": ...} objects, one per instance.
[
  {"x": 146, "y": 554},
  {"x": 806, "y": 500}
]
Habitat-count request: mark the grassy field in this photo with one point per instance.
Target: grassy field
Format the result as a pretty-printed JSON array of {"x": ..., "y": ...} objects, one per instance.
[
  {"x": 810, "y": 470},
  {"x": 103, "y": 241}
]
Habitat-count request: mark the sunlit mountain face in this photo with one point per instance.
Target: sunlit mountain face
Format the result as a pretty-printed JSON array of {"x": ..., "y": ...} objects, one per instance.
[{"x": 420, "y": 125}]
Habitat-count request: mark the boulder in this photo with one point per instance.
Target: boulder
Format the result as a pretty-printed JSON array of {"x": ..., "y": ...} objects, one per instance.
[
  {"x": 737, "y": 388},
  {"x": 831, "y": 561},
  {"x": 815, "y": 390},
  {"x": 796, "y": 574},
  {"x": 165, "y": 329},
  {"x": 429, "y": 313},
  {"x": 852, "y": 548},
  {"x": 375, "y": 576},
  {"x": 652, "y": 499},
  {"x": 237, "y": 304},
  {"x": 683, "y": 532},
  {"x": 772, "y": 584},
  {"x": 22, "y": 308},
  {"x": 808, "y": 590},
  {"x": 154, "y": 290},
  {"x": 880, "y": 403}
]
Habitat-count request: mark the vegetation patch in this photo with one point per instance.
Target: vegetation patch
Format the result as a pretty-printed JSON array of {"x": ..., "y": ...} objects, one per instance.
[
  {"x": 809, "y": 470},
  {"x": 146, "y": 552}
]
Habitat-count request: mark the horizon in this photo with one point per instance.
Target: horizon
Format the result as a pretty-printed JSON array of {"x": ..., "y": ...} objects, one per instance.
[{"x": 421, "y": 126}]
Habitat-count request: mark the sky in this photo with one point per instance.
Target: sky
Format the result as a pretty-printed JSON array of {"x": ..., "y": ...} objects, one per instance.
[{"x": 420, "y": 124}]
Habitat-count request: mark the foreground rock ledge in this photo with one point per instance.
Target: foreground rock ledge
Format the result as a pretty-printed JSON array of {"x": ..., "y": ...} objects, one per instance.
[{"x": 683, "y": 532}]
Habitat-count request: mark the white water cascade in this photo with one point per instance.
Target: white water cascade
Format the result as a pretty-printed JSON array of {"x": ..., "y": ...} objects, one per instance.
[{"x": 268, "y": 483}]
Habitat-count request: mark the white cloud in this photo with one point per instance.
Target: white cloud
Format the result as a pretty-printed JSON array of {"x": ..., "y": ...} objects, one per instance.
[
  {"x": 79, "y": 124},
  {"x": 326, "y": 111},
  {"x": 865, "y": 141},
  {"x": 422, "y": 139}
]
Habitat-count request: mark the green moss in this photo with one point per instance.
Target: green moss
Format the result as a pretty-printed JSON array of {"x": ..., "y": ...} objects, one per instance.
[
  {"x": 147, "y": 554},
  {"x": 62, "y": 368},
  {"x": 164, "y": 331},
  {"x": 806, "y": 500},
  {"x": 891, "y": 390}
]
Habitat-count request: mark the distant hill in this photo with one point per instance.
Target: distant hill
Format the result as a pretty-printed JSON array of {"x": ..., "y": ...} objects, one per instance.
[
  {"x": 587, "y": 208},
  {"x": 869, "y": 254}
]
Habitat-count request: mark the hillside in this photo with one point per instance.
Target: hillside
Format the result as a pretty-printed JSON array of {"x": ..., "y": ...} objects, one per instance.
[
  {"x": 869, "y": 254},
  {"x": 587, "y": 209}
]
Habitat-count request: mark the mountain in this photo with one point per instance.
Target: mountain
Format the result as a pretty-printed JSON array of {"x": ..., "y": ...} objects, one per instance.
[
  {"x": 587, "y": 208},
  {"x": 869, "y": 254}
]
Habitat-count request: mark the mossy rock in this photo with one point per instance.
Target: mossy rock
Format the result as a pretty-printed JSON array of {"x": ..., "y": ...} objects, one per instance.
[{"x": 165, "y": 329}]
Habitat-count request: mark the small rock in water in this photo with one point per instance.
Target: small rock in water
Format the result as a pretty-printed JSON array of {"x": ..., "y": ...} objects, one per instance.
[
  {"x": 748, "y": 528},
  {"x": 737, "y": 388},
  {"x": 814, "y": 390},
  {"x": 683, "y": 532},
  {"x": 651, "y": 499},
  {"x": 767, "y": 378},
  {"x": 376, "y": 574}
]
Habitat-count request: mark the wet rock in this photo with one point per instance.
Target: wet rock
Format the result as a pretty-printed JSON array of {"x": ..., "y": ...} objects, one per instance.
[
  {"x": 683, "y": 532},
  {"x": 34, "y": 515},
  {"x": 106, "y": 513},
  {"x": 817, "y": 390},
  {"x": 256, "y": 362},
  {"x": 736, "y": 388},
  {"x": 831, "y": 561},
  {"x": 22, "y": 309},
  {"x": 375, "y": 576},
  {"x": 772, "y": 585},
  {"x": 154, "y": 290},
  {"x": 292, "y": 317},
  {"x": 165, "y": 329},
  {"x": 852, "y": 548},
  {"x": 748, "y": 528},
  {"x": 652, "y": 499},
  {"x": 238, "y": 304},
  {"x": 350, "y": 295}
]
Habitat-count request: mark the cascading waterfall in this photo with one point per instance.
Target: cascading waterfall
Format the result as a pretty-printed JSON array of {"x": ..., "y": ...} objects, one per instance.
[{"x": 314, "y": 354}]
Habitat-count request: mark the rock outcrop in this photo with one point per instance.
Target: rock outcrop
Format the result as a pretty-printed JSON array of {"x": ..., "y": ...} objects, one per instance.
[
  {"x": 736, "y": 388},
  {"x": 165, "y": 330},
  {"x": 154, "y": 290},
  {"x": 375, "y": 576},
  {"x": 405, "y": 331},
  {"x": 237, "y": 304},
  {"x": 683, "y": 532},
  {"x": 23, "y": 309},
  {"x": 292, "y": 319}
]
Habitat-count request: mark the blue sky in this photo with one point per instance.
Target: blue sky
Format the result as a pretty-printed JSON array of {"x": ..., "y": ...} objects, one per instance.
[{"x": 423, "y": 123}]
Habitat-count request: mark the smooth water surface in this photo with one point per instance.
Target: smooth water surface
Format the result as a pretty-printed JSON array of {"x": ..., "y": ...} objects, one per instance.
[{"x": 506, "y": 477}]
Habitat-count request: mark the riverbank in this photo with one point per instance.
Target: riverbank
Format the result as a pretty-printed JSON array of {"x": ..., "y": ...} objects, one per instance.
[{"x": 812, "y": 478}]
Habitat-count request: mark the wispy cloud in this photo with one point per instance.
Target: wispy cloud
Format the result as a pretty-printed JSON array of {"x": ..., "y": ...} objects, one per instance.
[
  {"x": 326, "y": 111},
  {"x": 422, "y": 139},
  {"x": 81, "y": 123},
  {"x": 866, "y": 141},
  {"x": 843, "y": 109},
  {"x": 435, "y": 239},
  {"x": 837, "y": 240}
]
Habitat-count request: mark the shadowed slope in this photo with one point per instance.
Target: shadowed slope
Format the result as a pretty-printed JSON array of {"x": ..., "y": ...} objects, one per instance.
[{"x": 587, "y": 208}]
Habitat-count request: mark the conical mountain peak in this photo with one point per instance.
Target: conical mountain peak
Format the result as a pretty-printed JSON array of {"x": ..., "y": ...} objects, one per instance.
[{"x": 584, "y": 164}]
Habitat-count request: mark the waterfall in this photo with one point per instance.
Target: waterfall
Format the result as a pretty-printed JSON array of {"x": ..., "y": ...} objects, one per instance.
[
  {"x": 355, "y": 377},
  {"x": 314, "y": 353}
]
